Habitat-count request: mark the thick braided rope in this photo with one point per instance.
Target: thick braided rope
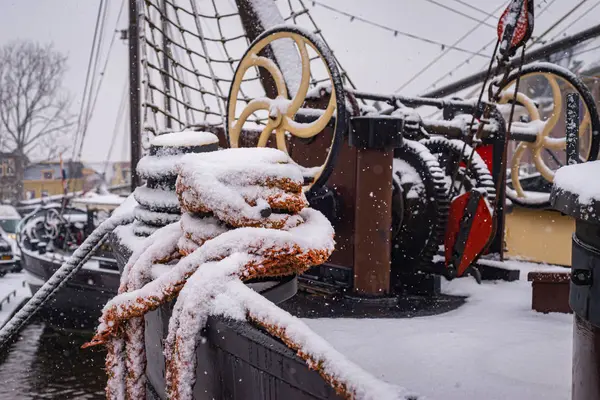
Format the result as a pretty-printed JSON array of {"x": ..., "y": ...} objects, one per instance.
[{"x": 62, "y": 275}]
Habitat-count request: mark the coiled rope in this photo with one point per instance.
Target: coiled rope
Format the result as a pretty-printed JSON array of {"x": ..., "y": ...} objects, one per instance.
[{"x": 62, "y": 275}]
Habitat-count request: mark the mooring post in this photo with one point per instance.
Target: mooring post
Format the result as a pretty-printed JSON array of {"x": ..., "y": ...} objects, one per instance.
[{"x": 572, "y": 128}]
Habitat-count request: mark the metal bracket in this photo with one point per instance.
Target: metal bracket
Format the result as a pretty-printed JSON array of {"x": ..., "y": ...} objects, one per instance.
[{"x": 376, "y": 132}]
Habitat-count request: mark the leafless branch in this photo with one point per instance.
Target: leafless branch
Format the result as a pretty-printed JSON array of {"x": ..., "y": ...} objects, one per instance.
[{"x": 35, "y": 120}]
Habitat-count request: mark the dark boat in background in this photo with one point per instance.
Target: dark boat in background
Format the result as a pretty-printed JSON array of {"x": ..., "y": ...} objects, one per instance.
[{"x": 47, "y": 237}]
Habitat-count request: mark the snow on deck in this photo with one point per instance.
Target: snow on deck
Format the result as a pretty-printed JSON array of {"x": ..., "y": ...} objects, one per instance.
[
  {"x": 8, "y": 283},
  {"x": 493, "y": 347}
]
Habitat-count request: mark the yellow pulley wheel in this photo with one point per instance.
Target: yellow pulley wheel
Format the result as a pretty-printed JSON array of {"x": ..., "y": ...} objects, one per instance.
[
  {"x": 542, "y": 104},
  {"x": 283, "y": 110}
]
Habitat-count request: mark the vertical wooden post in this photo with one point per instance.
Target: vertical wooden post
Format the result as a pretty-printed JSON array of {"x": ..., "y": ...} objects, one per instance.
[
  {"x": 373, "y": 216},
  {"x": 134, "y": 91}
]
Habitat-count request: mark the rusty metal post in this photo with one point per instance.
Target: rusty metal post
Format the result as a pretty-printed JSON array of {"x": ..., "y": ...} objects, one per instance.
[
  {"x": 134, "y": 91},
  {"x": 373, "y": 216}
]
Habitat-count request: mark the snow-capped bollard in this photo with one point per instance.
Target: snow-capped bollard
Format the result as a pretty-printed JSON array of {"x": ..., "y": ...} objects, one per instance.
[
  {"x": 576, "y": 192},
  {"x": 158, "y": 202}
]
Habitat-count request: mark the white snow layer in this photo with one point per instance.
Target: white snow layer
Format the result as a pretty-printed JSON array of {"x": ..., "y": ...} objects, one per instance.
[
  {"x": 158, "y": 166},
  {"x": 126, "y": 206},
  {"x": 156, "y": 197},
  {"x": 494, "y": 347},
  {"x": 8, "y": 283},
  {"x": 187, "y": 138},
  {"x": 404, "y": 173},
  {"x": 580, "y": 179}
]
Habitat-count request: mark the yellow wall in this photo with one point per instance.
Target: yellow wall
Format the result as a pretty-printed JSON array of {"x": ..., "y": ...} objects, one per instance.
[
  {"x": 117, "y": 178},
  {"x": 52, "y": 186},
  {"x": 539, "y": 236}
]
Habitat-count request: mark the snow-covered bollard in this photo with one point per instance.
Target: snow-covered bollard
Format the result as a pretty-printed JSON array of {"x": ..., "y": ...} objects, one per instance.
[
  {"x": 576, "y": 192},
  {"x": 158, "y": 202}
]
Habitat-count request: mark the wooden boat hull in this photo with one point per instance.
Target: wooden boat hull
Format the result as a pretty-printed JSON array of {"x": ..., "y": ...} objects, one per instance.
[
  {"x": 78, "y": 304},
  {"x": 237, "y": 361}
]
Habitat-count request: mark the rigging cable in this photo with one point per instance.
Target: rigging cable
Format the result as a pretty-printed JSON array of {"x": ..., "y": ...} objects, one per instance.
[
  {"x": 468, "y": 60},
  {"x": 584, "y": 14},
  {"x": 93, "y": 78},
  {"x": 87, "y": 77},
  {"x": 460, "y": 13},
  {"x": 102, "y": 74},
  {"x": 437, "y": 58},
  {"x": 94, "y": 90},
  {"x": 118, "y": 120},
  {"x": 396, "y": 32},
  {"x": 476, "y": 8},
  {"x": 558, "y": 22}
]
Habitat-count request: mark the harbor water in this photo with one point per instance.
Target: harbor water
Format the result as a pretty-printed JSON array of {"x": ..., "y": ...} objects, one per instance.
[{"x": 48, "y": 363}]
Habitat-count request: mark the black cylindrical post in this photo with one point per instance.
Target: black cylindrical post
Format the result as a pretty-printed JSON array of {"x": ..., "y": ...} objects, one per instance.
[
  {"x": 572, "y": 129},
  {"x": 584, "y": 296}
]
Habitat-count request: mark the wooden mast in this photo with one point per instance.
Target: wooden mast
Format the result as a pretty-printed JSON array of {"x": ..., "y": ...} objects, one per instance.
[{"x": 134, "y": 91}]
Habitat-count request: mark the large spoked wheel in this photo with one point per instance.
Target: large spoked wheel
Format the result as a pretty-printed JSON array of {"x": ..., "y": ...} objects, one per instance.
[
  {"x": 282, "y": 110},
  {"x": 541, "y": 106}
]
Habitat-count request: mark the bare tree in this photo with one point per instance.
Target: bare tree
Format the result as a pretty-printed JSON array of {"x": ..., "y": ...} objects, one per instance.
[{"x": 35, "y": 121}]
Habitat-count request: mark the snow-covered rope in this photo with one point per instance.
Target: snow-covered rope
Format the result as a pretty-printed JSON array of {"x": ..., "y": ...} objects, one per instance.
[{"x": 62, "y": 275}]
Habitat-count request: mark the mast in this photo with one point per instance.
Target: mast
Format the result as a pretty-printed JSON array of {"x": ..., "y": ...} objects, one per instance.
[
  {"x": 165, "y": 61},
  {"x": 134, "y": 91}
]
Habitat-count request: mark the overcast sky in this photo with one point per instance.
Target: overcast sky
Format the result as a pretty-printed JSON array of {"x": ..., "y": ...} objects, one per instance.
[{"x": 375, "y": 59}]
